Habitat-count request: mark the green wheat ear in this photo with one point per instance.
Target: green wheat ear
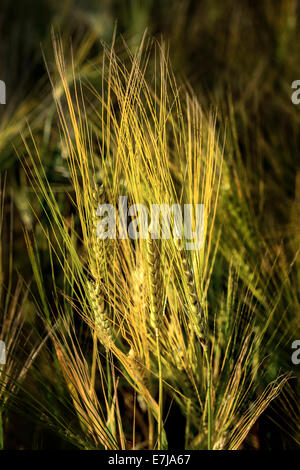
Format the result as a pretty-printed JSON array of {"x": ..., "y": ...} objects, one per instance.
[{"x": 102, "y": 322}]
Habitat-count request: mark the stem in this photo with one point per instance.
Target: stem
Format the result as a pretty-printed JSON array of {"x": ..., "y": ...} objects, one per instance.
[
  {"x": 160, "y": 394},
  {"x": 151, "y": 426},
  {"x": 209, "y": 414},
  {"x": 187, "y": 425}
]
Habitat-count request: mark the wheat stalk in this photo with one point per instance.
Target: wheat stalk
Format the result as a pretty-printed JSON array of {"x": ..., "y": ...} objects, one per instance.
[{"x": 155, "y": 284}]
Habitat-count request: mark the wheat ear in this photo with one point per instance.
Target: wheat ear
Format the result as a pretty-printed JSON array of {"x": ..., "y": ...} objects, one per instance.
[
  {"x": 98, "y": 305},
  {"x": 193, "y": 300},
  {"x": 156, "y": 317},
  {"x": 97, "y": 270},
  {"x": 138, "y": 370}
]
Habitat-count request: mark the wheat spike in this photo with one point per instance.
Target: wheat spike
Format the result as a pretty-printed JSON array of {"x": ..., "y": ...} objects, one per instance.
[
  {"x": 97, "y": 298},
  {"x": 102, "y": 322},
  {"x": 193, "y": 300},
  {"x": 97, "y": 246},
  {"x": 138, "y": 370}
]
